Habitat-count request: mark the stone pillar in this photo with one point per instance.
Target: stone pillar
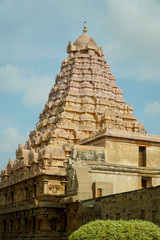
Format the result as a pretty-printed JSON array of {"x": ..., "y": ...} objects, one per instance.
[
  {"x": 45, "y": 190},
  {"x": 22, "y": 224},
  {"x": 34, "y": 225},
  {"x": 45, "y": 224}
]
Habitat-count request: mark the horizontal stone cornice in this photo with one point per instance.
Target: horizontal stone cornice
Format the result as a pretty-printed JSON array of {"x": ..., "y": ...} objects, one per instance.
[
  {"x": 123, "y": 169},
  {"x": 123, "y": 135}
]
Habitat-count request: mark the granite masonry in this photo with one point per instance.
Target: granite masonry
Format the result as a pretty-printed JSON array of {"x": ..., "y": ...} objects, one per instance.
[{"x": 86, "y": 158}]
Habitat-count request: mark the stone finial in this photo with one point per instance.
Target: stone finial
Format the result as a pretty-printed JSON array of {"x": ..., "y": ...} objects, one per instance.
[
  {"x": 84, "y": 28},
  {"x": 85, "y": 101}
]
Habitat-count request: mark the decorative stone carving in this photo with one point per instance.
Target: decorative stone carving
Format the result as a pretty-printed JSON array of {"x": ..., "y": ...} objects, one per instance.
[
  {"x": 84, "y": 103},
  {"x": 88, "y": 155}
]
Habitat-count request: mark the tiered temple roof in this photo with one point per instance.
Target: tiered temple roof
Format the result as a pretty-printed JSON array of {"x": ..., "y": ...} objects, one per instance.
[{"x": 85, "y": 101}]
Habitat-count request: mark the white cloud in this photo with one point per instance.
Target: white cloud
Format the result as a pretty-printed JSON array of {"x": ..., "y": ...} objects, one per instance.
[
  {"x": 152, "y": 108},
  {"x": 150, "y": 73},
  {"x": 38, "y": 91},
  {"x": 134, "y": 26},
  {"x": 34, "y": 89},
  {"x": 10, "y": 139},
  {"x": 11, "y": 79}
]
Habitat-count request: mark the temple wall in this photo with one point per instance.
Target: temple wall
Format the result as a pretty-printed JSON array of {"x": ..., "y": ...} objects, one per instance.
[
  {"x": 87, "y": 143},
  {"x": 32, "y": 209},
  {"x": 33, "y": 223},
  {"x": 35, "y": 189},
  {"x": 153, "y": 156},
  {"x": 119, "y": 182},
  {"x": 128, "y": 153},
  {"x": 122, "y": 153},
  {"x": 117, "y": 167},
  {"x": 141, "y": 204}
]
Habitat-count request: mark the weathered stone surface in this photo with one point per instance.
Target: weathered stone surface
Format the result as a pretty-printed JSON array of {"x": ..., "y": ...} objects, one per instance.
[
  {"x": 84, "y": 101},
  {"x": 86, "y": 144},
  {"x": 88, "y": 155},
  {"x": 140, "y": 204}
]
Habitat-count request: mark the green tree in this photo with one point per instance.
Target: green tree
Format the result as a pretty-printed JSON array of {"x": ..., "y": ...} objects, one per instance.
[{"x": 117, "y": 230}]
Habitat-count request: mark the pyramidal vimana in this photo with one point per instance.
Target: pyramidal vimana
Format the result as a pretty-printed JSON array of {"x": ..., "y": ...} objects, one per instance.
[{"x": 87, "y": 146}]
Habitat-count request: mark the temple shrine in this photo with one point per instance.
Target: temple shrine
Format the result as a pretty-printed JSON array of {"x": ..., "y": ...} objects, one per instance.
[{"x": 88, "y": 150}]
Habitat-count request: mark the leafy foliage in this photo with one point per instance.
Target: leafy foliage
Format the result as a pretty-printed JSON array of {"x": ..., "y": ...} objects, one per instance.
[{"x": 117, "y": 230}]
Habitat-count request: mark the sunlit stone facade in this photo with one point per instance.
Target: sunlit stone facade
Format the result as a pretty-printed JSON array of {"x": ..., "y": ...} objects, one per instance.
[{"x": 87, "y": 144}]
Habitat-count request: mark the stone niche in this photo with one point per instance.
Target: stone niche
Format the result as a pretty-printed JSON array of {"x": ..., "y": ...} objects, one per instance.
[{"x": 90, "y": 154}]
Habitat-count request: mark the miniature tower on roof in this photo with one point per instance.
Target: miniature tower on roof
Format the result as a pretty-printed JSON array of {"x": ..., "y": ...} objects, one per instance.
[
  {"x": 84, "y": 101},
  {"x": 87, "y": 143}
]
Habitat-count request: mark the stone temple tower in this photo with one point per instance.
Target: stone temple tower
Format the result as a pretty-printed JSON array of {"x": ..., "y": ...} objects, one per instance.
[
  {"x": 85, "y": 104},
  {"x": 84, "y": 101}
]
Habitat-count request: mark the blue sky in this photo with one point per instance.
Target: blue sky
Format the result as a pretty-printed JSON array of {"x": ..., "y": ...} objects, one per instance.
[{"x": 33, "y": 41}]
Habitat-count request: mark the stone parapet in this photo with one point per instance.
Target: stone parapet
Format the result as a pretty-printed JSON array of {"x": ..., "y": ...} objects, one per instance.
[
  {"x": 123, "y": 136},
  {"x": 140, "y": 204},
  {"x": 87, "y": 143}
]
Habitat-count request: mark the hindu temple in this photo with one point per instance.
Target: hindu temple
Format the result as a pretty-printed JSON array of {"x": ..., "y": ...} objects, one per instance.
[{"x": 88, "y": 157}]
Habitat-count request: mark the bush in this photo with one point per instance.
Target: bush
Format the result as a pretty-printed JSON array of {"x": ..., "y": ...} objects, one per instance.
[{"x": 117, "y": 230}]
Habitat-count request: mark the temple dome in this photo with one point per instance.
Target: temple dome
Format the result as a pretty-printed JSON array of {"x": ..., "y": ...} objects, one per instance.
[{"x": 85, "y": 41}]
